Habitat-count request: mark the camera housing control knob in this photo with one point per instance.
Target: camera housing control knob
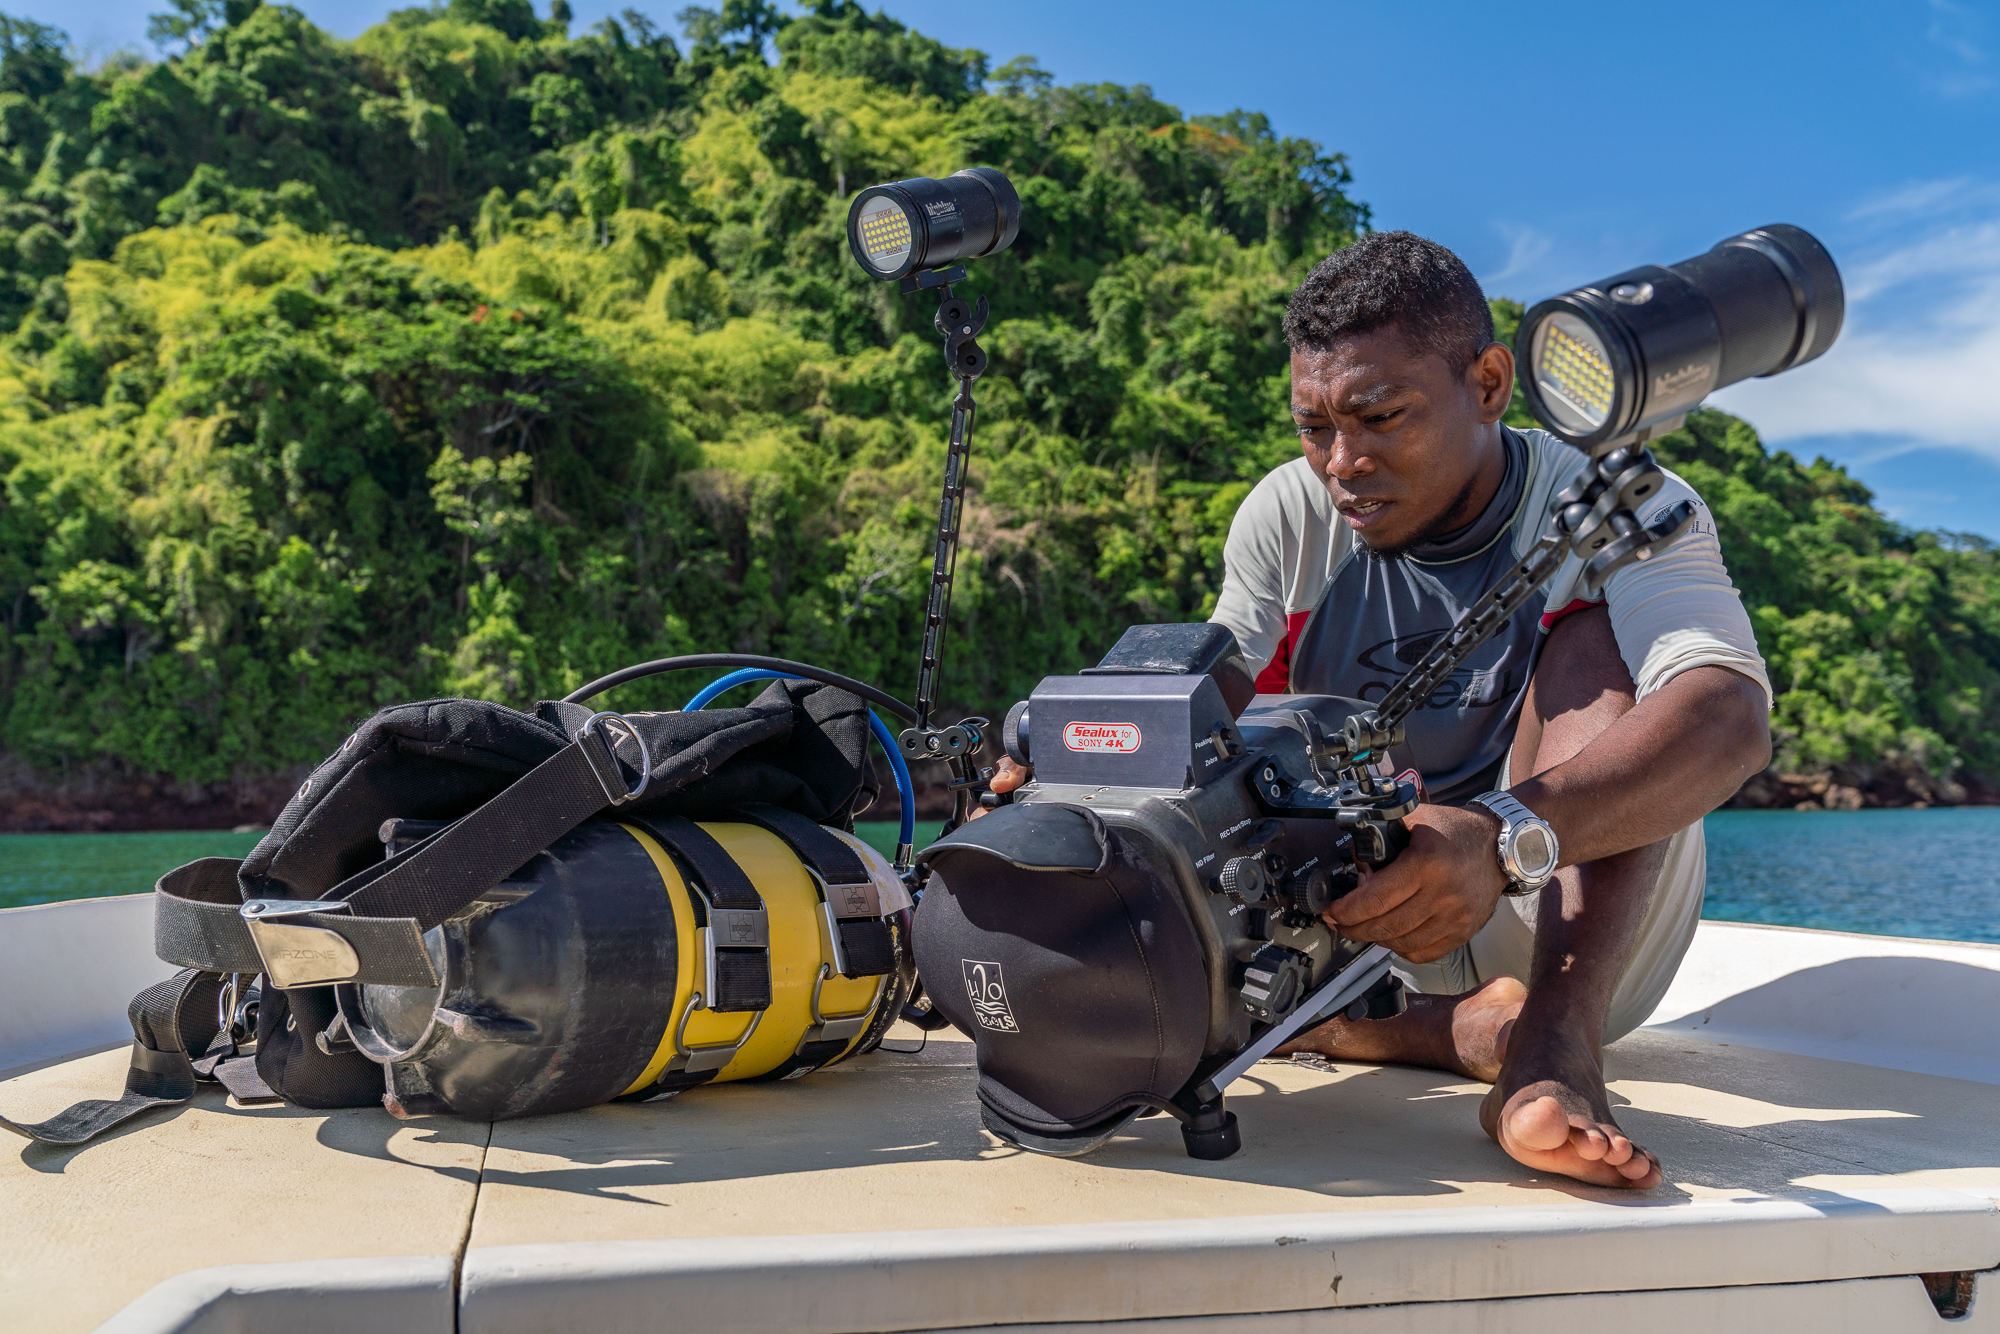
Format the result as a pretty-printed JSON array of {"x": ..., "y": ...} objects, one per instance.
[
  {"x": 1245, "y": 881},
  {"x": 1014, "y": 733},
  {"x": 1275, "y": 983}
]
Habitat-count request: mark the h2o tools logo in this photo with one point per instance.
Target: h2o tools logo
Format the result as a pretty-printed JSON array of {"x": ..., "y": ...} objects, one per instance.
[
  {"x": 988, "y": 991},
  {"x": 1102, "y": 738}
]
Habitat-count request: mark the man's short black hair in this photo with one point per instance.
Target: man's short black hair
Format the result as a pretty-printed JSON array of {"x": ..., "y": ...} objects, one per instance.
[{"x": 1394, "y": 278}]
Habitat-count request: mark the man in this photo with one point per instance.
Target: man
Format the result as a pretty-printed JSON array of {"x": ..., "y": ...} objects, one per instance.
[{"x": 1619, "y": 721}]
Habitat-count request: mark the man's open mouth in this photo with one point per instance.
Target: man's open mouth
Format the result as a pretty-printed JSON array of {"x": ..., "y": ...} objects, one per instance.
[{"x": 1361, "y": 512}]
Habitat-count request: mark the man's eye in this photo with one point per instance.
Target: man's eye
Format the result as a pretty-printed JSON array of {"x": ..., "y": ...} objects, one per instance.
[{"x": 1382, "y": 417}]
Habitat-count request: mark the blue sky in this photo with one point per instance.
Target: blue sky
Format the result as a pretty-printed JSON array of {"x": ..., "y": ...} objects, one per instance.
[{"x": 1552, "y": 142}]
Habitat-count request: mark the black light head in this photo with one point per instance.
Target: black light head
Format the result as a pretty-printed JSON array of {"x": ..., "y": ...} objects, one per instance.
[
  {"x": 901, "y": 227},
  {"x": 1602, "y": 364}
]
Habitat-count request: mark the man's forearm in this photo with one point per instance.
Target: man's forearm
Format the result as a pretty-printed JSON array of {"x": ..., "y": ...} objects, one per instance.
[{"x": 1671, "y": 759}]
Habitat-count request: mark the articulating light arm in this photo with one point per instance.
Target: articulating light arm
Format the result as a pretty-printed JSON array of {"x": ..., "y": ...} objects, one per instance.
[{"x": 960, "y": 323}]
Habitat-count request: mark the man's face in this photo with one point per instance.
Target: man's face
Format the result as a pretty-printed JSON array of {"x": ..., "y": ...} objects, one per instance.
[{"x": 1396, "y": 434}]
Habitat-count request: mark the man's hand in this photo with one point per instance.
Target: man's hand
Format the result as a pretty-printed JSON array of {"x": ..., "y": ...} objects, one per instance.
[
  {"x": 1436, "y": 895},
  {"x": 1007, "y": 776}
]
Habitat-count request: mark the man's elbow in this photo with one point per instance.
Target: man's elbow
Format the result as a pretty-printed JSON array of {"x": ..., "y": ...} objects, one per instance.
[{"x": 1742, "y": 718}]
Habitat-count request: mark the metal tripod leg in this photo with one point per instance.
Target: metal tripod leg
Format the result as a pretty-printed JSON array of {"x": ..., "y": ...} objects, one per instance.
[{"x": 1336, "y": 994}]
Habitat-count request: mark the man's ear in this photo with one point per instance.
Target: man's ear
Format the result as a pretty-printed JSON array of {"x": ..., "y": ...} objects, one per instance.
[{"x": 1490, "y": 377}]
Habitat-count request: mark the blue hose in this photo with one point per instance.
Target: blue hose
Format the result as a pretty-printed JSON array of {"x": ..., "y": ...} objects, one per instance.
[{"x": 906, "y": 793}]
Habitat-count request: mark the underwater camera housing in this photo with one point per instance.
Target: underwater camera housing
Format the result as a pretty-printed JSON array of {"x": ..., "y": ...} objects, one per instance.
[{"x": 1142, "y": 922}]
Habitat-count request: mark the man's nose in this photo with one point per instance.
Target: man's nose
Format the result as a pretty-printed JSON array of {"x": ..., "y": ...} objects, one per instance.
[{"x": 1348, "y": 457}]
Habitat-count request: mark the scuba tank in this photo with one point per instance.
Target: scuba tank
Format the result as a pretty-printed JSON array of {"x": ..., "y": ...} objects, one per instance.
[{"x": 604, "y": 969}]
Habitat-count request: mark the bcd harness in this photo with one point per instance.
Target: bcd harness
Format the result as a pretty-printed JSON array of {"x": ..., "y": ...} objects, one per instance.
[{"x": 325, "y": 956}]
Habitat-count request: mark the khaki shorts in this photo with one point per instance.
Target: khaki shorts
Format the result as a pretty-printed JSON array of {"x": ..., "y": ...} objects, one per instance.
[{"x": 1505, "y": 946}]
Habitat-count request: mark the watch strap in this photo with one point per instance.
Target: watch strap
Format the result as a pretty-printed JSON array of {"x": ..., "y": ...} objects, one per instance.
[{"x": 1504, "y": 805}]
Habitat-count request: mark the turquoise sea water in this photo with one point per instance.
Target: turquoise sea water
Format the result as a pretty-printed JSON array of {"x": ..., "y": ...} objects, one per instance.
[
  {"x": 1934, "y": 874},
  {"x": 1929, "y": 873}
]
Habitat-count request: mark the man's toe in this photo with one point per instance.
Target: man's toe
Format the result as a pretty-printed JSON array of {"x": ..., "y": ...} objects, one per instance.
[
  {"x": 1640, "y": 1166},
  {"x": 1589, "y": 1142},
  {"x": 1539, "y": 1124}
]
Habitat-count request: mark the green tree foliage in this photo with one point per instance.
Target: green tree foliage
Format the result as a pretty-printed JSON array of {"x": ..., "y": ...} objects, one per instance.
[
  {"x": 1882, "y": 643},
  {"x": 475, "y": 357}
]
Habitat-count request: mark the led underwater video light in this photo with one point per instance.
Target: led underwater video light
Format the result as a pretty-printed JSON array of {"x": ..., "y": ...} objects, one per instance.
[
  {"x": 1622, "y": 359},
  {"x": 898, "y": 228}
]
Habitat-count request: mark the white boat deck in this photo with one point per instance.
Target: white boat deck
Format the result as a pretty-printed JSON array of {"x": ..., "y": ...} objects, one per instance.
[{"x": 1800, "y": 1187}]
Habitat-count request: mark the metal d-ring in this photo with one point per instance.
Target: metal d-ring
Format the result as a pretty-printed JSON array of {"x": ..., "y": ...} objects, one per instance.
[
  {"x": 225, "y": 1006},
  {"x": 817, "y": 1030},
  {"x": 686, "y": 1057},
  {"x": 598, "y": 722}
]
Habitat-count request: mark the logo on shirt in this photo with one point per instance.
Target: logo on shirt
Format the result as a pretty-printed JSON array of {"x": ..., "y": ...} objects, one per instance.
[
  {"x": 1102, "y": 738},
  {"x": 1466, "y": 688}
]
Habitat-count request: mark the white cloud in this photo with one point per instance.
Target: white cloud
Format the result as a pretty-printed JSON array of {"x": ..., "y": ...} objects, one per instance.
[
  {"x": 1527, "y": 247},
  {"x": 1957, "y": 31},
  {"x": 1918, "y": 363}
]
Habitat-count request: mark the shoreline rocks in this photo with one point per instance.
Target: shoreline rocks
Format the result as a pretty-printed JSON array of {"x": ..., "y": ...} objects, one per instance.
[
  {"x": 104, "y": 801},
  {"x": 1897, "y": 783}
]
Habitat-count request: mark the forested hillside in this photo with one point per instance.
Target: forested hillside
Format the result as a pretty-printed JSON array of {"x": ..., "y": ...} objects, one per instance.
[{"x": 477, "y": 357}]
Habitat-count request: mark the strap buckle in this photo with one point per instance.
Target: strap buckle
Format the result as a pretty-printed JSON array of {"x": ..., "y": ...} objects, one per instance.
[
  {"x": 604, "y": 761},
  {"x": 833, "y": 938},
  {"x": 746, "y": 933},
  {"x": 293, "y": 953},
  {"x": 860, "y": 899}
]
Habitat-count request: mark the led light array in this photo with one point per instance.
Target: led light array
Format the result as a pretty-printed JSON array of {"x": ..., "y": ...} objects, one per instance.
[
  {"x": 885, "y": 233},
  {"x": 1578, "y": 372}
]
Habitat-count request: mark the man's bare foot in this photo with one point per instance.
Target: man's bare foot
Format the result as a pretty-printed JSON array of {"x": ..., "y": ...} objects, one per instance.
[
  {"x": 1549, "y": 1111},
  {"x": 1466, "y": 1034}
]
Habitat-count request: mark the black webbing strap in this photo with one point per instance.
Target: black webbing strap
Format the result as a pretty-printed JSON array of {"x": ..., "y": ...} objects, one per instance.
[
  {"x": 451, "y": 868},
  {"x": 197, "y": 914},
  {"x": 239, "y": 1075},
  {"x": 866, "y": 947},
  {"x": 668, "y": 1084},
  {"x": 198, "y": 918},
  {"x": 837, "y": 865},
  {"x": 198, "y": 923},
  {"x": 169, "y": 1020},
  {"x": 739, "y": 930},
  {"x": 723, "y": 882}
]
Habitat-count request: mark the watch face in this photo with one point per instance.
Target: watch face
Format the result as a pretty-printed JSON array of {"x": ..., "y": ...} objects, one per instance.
[{"x": 1534, "y": 851}]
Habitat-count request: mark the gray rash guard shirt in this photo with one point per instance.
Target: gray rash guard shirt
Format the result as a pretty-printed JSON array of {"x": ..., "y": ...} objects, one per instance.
[{"x": 1317, "y": 613}]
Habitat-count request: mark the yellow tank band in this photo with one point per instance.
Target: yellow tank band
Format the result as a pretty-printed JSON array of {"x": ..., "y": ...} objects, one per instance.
[
  {"x": 798, "y": 948},
  {"x": 684, "y": 943}
]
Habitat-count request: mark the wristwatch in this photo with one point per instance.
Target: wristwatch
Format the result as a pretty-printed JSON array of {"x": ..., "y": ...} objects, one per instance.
[{"x": 1528, "y": 848}]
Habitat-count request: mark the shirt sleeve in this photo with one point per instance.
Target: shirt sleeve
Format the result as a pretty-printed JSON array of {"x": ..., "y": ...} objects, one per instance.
[
  {"x": 1252, "y": 601},
  {"x": 1678, "y": 610}
]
